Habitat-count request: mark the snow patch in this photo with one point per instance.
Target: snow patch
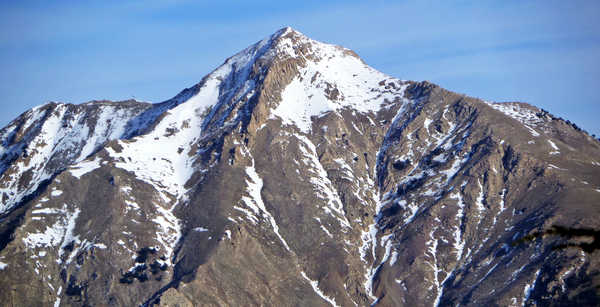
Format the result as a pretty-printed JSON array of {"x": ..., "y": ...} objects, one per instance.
[
  {"x": 527, "y": 117},
  {"x": 59, "y": 233},
  {"x": 255, "y": 202},
  {"x": 315, "y": 285},
  {"x": 530, "y": 287},
  {"x": 320, "y": 180},
  {"x": 459, "y": 241},
  {"x": 169, "y": 231},
  {"x": 556, "y": 167},
  {"x": 556, "y": 149},
  {"x": 84, "y": 167},
  {"x": 480, "y": 199}
]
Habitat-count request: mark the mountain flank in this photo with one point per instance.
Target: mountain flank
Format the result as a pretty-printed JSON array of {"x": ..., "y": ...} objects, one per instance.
[{"x": 296, "y": 175}]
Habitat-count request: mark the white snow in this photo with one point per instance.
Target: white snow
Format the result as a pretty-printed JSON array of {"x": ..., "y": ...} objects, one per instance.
[
  {"x": 3, "y": 265},
  {"x": 60, "y": 131},
  {"x": 346, "y": 169},
  {"x": 454, "y": 168},
  {"x": 84, "y": 167},
  {"x": 56, "y": 193},
  {"x": 169, "y": 231},
  {"x": 320, "y": 180},
  {"x": 502, "y": 196},
  {"x": 326, "y": 231},
  {"x": 161, "y": 157},
  {"x": 69, "y": 231},
  {"x": 47, "y": 211},
  {"x": 356, "y": 128},
  {"x": 200, "y": 229},
  {"x": 480, "y": 199},
  {"x": 459, "y": 241},
  {"x": 100, "y": 246},
  {"x": 411, "y": 213},
  {"x": 530, "y": 287},
  {"x": 157, "y": 162},
  {"x": 556, "y": 149},
  {"x": 255, "y": 202},
  {"x": 132, "y": 205},
  {"x": 432, "y": 246},
  {"x": 556, "y": 167},
  {"x": 426, "y": 123},
  {"x": 563, "y": 278},
  {"x": 524, "y": 115},
  {"x": 61, "y": 233},
  {"x": 394, "y": 257},
  {"x": 306, "y": 95},
  {"x": 369, "y": 239},
  {"x": 315, "y": 285}
]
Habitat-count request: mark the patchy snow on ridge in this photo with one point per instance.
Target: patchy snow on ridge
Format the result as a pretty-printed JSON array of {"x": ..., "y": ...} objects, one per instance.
[
  {"x": 161, "y": 157},
  {"x": 314, "y": 91},
  {"x": 57, "y": 135},
  {"x": 524, "y": 115},
  {"x": 60, "y": 233}
]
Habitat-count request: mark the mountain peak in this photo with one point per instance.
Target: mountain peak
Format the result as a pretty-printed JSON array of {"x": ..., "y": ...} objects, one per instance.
[
  {"x": 296, "y": 78},
  {"x": 287, "y": 30},
  {"x": 288, "y": 43}
]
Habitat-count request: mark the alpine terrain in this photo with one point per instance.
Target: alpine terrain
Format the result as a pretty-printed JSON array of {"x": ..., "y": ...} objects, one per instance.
[{"x": 296, "y": 175}]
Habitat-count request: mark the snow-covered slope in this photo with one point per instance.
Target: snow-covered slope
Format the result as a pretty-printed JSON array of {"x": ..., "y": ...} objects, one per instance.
[
  {"x": 332, "y": 78},
  {"x": 49, "y": 138}
]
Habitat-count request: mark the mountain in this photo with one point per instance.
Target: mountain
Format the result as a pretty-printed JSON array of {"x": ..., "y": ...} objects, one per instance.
[{"x": 296, "y": 175}]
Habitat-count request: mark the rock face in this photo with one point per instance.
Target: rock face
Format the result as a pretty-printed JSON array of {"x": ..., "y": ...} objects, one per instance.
[{"x": 296, "y": 175}]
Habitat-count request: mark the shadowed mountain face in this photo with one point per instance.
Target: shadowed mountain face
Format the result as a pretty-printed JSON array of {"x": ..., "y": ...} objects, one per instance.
[{"x": 296, "y": 175}]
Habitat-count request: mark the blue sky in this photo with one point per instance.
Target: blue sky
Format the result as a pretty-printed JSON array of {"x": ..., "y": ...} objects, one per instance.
[{"x": 542, "y": 52}]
